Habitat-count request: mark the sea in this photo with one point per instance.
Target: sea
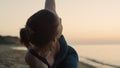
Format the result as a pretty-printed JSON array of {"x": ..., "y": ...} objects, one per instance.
[{"x": 99, "y": 55}]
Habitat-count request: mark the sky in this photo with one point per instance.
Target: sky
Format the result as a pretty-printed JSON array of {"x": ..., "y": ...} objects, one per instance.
[{"x": 84, "y": 21}]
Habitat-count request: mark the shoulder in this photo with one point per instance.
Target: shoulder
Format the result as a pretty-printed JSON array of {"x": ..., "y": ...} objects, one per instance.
[
  {"x": 33, "y": 62},
  {"x": 72, "y": 51},
  {"x": 30, "y": 59},
  {"x": 71, "y": 59}
]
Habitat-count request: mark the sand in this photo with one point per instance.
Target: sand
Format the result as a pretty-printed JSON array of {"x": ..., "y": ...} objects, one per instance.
[{"x": 11, "y": 58}]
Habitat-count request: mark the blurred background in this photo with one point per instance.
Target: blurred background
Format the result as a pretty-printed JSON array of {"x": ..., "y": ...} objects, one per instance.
[{"x": 92, "y": 27}]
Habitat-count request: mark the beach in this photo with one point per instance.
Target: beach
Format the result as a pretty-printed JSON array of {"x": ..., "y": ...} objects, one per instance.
[
  {"x": 12, "y": 56},
  {"x": 90, "y": 56}
]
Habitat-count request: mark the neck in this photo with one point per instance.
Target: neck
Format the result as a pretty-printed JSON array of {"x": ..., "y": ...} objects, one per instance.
[
  {"x": 52, "y": 48},
  {"x": 49, "y": 52}
]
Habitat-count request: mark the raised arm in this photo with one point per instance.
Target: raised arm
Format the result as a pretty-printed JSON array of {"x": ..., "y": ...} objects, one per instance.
[{"x": 50, "y": 5}]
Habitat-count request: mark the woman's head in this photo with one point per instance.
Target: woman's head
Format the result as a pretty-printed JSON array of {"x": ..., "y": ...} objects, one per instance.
[{"x": 41, "y": 28}]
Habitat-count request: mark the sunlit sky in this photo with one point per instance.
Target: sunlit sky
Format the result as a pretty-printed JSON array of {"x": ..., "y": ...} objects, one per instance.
[{"x": 83, "y": 20}]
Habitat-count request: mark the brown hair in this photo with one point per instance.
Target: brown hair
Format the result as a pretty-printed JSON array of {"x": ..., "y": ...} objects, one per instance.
[{"x": 40, "y": 28}]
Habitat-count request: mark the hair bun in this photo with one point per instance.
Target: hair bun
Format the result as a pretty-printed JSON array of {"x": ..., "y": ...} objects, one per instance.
[{"x": 24, "y": 36}]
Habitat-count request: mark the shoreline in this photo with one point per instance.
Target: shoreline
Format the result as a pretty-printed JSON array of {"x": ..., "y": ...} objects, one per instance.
[
  {"x": 12, "y": 56},
  {"x": 84, "y": 65}
]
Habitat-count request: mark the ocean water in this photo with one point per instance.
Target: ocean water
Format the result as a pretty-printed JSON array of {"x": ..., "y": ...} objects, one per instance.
[{"x": 105, "y": 55}]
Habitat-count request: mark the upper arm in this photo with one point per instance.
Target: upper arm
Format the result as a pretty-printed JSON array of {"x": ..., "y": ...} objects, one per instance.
[
  {"x": 50, "y": 5},
  {"x": 71, "y": 61}
]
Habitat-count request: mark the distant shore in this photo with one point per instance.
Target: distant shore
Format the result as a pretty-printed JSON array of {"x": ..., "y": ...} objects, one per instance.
[{"x": 11, "y": 58}]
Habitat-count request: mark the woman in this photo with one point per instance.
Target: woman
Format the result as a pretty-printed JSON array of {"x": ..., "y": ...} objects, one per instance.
[{"x": 46, "y": 45}]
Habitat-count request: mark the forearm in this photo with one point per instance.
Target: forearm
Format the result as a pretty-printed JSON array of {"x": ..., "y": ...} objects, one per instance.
[{"x": 50, "y": 5}]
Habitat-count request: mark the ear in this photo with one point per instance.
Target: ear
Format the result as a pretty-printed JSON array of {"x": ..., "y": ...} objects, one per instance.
[{"x": 54, "y": 39}]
